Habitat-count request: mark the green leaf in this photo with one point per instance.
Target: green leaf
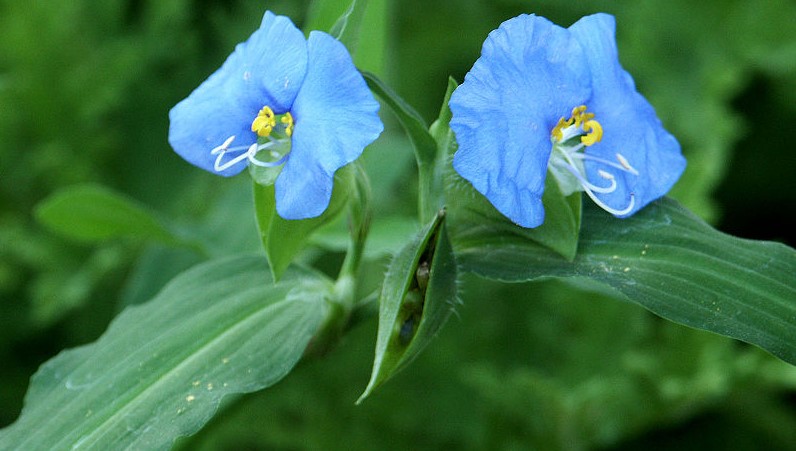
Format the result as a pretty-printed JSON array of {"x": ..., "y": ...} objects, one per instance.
[
  {"x": 416, "y": 128},
  {"x": 440, "y": 130},
  {"x": 344, "y": 19},
  {"x": 418, "y": 296},
  {"x": 333, "y": 16},
  {"x": 346, "y": 29},
  {"x": 95, "y": 213},
  {"x": 282, "y": 238},
  {"x": 668, "y": 261},
  {"x": 433, "y": 180},
  {"x": 372, "y": 49},
  {"x": 162, "y": 368},
  {"x": 432, "y": 146}
]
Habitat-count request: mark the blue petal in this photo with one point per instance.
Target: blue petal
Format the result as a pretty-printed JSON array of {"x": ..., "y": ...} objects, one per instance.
[
  {"x": 629, "y": 122},
  {"x": 336, "y": 116},
  {"x": 267, "y": 69},
  {"x": 531, "y": 73},
  {"x": 274, "y": 63}
]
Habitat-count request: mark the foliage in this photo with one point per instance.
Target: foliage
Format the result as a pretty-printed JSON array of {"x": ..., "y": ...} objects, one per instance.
[{"x": 552, "y": 363}]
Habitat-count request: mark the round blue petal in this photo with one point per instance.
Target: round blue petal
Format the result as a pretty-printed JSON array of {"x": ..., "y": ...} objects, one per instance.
[
  {"x": 630, "y": 125},
  {"x": 531, "y": 73},
  {"x": 267, "y": 69},
  {"x": 335, "y": 117}
]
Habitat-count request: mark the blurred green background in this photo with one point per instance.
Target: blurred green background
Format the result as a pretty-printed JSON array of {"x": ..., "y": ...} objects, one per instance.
[{"x": 85, "y": 89}]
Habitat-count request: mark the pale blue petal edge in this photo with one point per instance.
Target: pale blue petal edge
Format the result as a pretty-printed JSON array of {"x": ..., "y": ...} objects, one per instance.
[
  {"x": 630, "y": 124},
  {"x": 336, "y": 116}
]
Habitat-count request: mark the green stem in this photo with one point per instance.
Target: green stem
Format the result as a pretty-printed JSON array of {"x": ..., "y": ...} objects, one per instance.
[
  {"x": 429, "y": 197},
  {"x": 359, "y": 225},
  {"x": 343, "y": 298}
]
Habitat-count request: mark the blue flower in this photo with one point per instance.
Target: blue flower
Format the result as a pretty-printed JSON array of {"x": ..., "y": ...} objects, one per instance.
[
  {"x": 542, "y": 97},
  {"x": 280, "y": 100}
]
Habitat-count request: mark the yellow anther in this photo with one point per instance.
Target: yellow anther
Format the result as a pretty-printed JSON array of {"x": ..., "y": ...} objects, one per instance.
[
  {"x": 578, "y": 110},
  {"x": 557, "y": 132},
  {"x": 594, "y": 132},
  {"x": 582, "y": 120},
  {"x": 265, "y": 121},
  {"x": 580, "y": 116},
  {"x": 287, "y": 120}
]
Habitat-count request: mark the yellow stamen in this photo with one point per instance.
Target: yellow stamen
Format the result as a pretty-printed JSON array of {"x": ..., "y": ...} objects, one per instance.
[
  {"x": 582, "y": 120},
  {"x": 287, "y": 119},
  {"x": 594, "y": 132},
  {"x": 264, "y": 123},
  {"x": 579, "y": 115},
  {"x": 557, "y": 130}
]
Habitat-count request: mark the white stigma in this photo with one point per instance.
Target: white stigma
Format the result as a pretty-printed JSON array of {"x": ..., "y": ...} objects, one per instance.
[
  {"x": 572, "y": 157},
  {"x": 250, "y": 154}
]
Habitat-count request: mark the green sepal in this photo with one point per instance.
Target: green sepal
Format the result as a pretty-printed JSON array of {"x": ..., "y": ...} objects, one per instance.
[
  {"x": 561, "y": 226},
  {"x": 471, "y": 213},
  {"x": 417, "y": 297},
  {"x": 283, "y": 239}
]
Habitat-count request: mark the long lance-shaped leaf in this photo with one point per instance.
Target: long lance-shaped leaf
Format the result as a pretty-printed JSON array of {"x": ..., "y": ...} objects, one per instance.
[
  {"x": 162, "y": 368},
  {"x": 667, "y": 260}
]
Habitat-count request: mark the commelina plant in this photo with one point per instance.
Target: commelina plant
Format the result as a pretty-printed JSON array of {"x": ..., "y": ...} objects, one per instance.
[{"x": 545, "y": 114}]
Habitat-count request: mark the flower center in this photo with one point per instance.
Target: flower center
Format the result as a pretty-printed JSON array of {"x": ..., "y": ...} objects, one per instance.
[
  {"x": 580, "y": 124},
  {"x": 274, "y": 132},
  {"x": 571, "y": 137},
  {"x": 265, "y": 123}
]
